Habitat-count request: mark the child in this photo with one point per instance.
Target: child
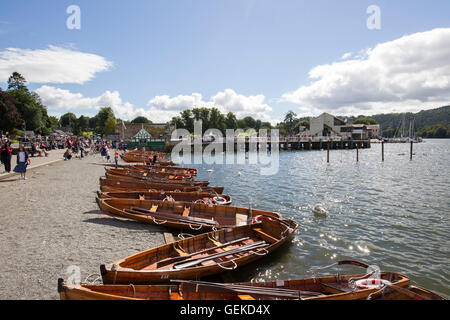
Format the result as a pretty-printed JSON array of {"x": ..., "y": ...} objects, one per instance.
[
  {"x": 116, "y": 158},
  {"x": 22, "y": 162}
]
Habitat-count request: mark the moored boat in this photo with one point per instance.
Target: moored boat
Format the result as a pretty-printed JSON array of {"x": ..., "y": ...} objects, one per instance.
[
  {"x": 319, "y": 288},
  {"x": 209, "y": 198},
  {"x": 161, "y": 168},
  {"x": 393, "y": 292},
  {"x": 182, "y": 215},
  {"x": 148, "y": 173},
  {"x": 153, "y": 186},
  {"x": 202, "y": 255},
  {"x": 156, "y": 179}
]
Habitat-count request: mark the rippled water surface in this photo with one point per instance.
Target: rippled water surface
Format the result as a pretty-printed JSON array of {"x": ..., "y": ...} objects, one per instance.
[{"x": 394, "y": 214}]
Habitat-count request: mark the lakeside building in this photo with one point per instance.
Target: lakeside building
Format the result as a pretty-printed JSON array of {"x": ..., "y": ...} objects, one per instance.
[
  {"x": 144, "y": 134},
  {"x": 327, "y": 125}
]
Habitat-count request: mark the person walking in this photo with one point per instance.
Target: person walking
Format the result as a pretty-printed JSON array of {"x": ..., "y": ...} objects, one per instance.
[
  {"x": 6, "y": 155},
  {"x": 103, "y": 152},
  {"x": 22, "y": 161}
]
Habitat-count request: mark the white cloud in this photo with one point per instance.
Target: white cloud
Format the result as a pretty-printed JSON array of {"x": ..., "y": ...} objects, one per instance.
[
  {"x": 408, "y": 74},
  {"x": 59, "y": 101},
  {"x": 346, "y": 55},
  {"x": 165, "y": 107},
  {"x": 159, "y": 109},
  {"x": 51, "y": 65}
]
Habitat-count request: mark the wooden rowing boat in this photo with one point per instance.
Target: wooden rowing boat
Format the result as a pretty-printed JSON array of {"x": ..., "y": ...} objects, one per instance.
[
  {"x": 394, "y": 292},
  {"x": 157, "y": 180},
  {"x": 153, "y": 186},
  {"x": 201, "y": 197},
  {"x": 143, "y": 157},
  {"x": 139, "y": 174},
  {"x": 181, "y": 215},
  {"x": 148, "y": 173},
  {"x": 320, "y": 288},
  {"x": 202, "y": 255},
  {"x": 160, "y": 168}
]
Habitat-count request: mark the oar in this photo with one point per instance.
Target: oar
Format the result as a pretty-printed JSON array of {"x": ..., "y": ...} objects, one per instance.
[
  {"x": 180, "y": 258},
  {"x": 191, "y": 263},
  {"x": 255, "y": 290}
]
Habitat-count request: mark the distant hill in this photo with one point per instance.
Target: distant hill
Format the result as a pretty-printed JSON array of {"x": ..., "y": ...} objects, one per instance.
[{"x": 392, "y": 123}]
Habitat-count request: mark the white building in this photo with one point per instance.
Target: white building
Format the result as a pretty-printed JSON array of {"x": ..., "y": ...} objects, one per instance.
[{"x": 327, "y": 125}]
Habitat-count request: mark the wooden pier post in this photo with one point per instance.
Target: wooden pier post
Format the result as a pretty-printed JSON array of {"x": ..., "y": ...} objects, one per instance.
[
  {"x": 411, "y": 151},
  {"x": 328, "y": 152},
  {"x": 382, "y": 150},
  {"x": 357, "y": 152}
]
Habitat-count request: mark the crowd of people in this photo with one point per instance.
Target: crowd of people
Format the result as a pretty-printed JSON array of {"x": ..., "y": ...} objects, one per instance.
[
  {"x": 88, "y": 146},
  {"x": 75, "y": 148}
]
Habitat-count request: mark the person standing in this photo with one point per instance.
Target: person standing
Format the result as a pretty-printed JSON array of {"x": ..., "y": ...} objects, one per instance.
[
  {"x": 6, "y": 155},
  {"x": 81, "y": 148},
  {"x": 22, "y": 162},
  {"x": 116, "y": 158}
]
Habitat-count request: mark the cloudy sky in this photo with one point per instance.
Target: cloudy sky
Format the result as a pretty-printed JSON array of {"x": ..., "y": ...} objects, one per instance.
[{"x": 253, "y": 57}]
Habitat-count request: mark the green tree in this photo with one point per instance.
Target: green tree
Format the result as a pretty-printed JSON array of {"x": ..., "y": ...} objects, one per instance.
[
  {"x": 366, "y": 121},
  {"x": 110, "y": 126},
  {"x": 33, "y": 113},
  {"x": 68, "y": 119},
  {"x": 177, "y": 122},
  {"x": 249, "y": 122},
  {"x": 10, "y": 116},
  {"x": 305, "y": 123},
  {"x": 101, "y": 118},
  {"x": 231, "y": 121},
  {"x": 83, "y": 123},
  {"x": 17, "y": 82},
  {"x": 188, "y": 120},
  {"x": 140, "y": 119},
  {"x": 52, "y": 122}
]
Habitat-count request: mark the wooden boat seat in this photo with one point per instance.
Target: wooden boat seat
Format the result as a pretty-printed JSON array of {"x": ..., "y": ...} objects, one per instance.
[
  {"x": 141, "y": 197},
  {"x": 264, "y": 236},
  {"x": 245, "y": 297},
  {"x": 154, "y": 208},
  {"x": 186, "y": 212},
  {"x": 335, "y": 288}
]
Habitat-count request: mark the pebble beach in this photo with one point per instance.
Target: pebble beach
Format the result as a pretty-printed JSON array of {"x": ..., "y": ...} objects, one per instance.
[{"x": 50, "y": 224}]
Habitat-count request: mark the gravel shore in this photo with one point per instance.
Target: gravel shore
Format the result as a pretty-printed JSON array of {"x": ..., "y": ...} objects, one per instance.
[{"x": 51, "y": 222}]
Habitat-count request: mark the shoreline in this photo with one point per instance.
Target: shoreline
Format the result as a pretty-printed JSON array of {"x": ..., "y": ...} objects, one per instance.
[{"x": 51, "y": 222}]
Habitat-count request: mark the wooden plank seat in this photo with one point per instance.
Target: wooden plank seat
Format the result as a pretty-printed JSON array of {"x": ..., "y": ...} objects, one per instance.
[
  {"x": 264, "y": 235},
  {"x": 171, "y": 216}
]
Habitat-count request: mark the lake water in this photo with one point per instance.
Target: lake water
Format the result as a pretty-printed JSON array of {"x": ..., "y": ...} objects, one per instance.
[{"x": 392, "y": 214}]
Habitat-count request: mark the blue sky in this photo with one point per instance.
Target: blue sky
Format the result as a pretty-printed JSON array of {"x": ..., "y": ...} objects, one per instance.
[{"x": 176, "y": 48}]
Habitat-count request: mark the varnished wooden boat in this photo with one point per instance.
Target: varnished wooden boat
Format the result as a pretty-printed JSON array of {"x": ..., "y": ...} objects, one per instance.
[
  {"x": 143, "y": 157},
  {"x": 394, "y": 292},
  {"x": 157, "y": 180},
  {"x": 199, "y": 197},
  {"x": 148, "y": 173},
  {"x": 154, "y": 186},
  {"x": 320, "y": 288},
  {"x": 202, "y": 255},
  {"x": 181, "y": 215},
  {"x": 169, "y": 169}
]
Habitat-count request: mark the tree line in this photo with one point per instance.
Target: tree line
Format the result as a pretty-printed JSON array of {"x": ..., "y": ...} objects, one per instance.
[{"x": 22, "y": 110}]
